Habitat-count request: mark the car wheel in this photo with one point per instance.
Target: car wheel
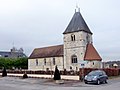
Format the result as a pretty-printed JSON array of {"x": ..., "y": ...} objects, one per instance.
[
  {"x": 106, "y": 81},
  {"x": 98, "y": 82},
  {"x": 86, "y": 82}
]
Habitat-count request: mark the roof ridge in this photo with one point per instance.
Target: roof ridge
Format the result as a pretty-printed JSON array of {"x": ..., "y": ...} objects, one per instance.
[
  {"x": 51, "y": 51},
  {"x": 49, "y": 46}
]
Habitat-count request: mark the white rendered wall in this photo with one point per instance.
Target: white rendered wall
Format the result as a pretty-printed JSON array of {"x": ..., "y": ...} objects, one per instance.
[{"x": 93, "y": 64}]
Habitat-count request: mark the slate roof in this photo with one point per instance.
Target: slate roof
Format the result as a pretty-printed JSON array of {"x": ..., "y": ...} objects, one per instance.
[
  {"x": 52, "y": 51},
  {"x": 91, "y": 53},
  {"x": 76, "y": 24},
  {"x": 12, "y": 54},
  {"x": 3, "y": 54}
]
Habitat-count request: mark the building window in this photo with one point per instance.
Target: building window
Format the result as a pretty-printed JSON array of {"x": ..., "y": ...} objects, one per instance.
[
  {"x": 45, "y": 61},
  {"x": 47, "y": 69},
  {"x": 88, "y": 38},
  {"x": 6, "y": 56},
  {"x": 53, "y": 61},
  {"x": 76, "y": 68},
  {"x": 74, "y": 59},
  {"x": 93, "y": 63},
  {"x": 72, "y": 37},
  {"x": 36, "y": 62}
]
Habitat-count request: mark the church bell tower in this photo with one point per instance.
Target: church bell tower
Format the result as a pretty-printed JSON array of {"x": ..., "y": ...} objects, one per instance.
[{"x": 76, "y": 37}]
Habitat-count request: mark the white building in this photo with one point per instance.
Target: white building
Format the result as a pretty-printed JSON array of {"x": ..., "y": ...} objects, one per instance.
[{"x": 76, "y": 52}]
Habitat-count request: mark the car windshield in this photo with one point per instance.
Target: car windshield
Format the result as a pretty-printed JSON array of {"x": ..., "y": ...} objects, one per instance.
[{"x": 94, "y": 73}]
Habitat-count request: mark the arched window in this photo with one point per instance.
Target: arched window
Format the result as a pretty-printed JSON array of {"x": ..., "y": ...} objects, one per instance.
[
  {"x": 74, "y": 59},
  {"x": 72, "y": 37}
]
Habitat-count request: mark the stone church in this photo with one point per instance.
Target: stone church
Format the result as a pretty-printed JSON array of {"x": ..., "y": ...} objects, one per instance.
[{"x": 76, "y": 52}]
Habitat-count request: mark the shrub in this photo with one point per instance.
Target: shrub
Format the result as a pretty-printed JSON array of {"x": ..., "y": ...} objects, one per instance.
[
  {"x": 4, "y": 72},
  {"x": 9, "y": 63},
  {"x": 25, "y": 75}
]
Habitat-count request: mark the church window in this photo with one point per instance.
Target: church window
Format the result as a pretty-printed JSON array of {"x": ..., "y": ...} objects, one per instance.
[
  {"x": 76, "y": 68},
  {"x": 74, "y": 59},
  {"x": 70, "y": 67},
  {"x": 36, "y": 62},
  {"x": 72, "y": 37},
  {"x": 47, "y": 69},
  {"x": 87, "y": 38},
  {"x": 45, "y": 61},
  {"x": 53, "y": 61}
]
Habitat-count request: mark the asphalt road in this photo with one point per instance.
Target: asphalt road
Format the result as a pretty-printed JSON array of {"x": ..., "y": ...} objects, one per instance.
[{"x": 15, "y": 83}]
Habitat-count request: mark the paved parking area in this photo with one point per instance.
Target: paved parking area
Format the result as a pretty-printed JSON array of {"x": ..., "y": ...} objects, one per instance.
[{"x": 16, "y": 83}]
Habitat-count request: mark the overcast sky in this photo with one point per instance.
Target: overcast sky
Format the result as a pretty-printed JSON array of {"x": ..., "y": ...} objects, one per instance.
[{"x": 38, "y": 23}]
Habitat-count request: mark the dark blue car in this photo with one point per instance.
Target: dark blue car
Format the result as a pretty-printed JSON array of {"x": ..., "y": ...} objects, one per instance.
[{"x": 97, "y": 77}]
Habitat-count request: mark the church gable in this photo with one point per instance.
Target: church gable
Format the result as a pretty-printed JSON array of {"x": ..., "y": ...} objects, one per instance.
[{"x": 52, "y": 51}]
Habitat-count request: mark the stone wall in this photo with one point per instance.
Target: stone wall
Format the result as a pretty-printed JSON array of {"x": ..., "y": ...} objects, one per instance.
[
  {"x": 76, "y": 47},
  {"x": 40, "y": 64}
]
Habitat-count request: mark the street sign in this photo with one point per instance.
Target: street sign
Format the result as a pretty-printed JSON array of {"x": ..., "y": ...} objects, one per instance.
[{"x": 82, "y": 63}]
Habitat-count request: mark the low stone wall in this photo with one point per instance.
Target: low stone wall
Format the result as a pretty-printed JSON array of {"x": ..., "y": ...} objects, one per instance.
[
  {"x": 42, "y": 72},
  {"x": 42, "y": 76}
]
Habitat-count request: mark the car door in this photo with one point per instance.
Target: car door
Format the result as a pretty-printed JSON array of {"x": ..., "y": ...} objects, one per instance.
[
  {"x": 104, "y": 76},
  {"x": 101, "y": 75}
]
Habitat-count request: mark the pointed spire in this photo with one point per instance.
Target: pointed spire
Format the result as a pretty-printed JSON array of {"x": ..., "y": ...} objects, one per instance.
[{"x": 77, "y": 23}]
